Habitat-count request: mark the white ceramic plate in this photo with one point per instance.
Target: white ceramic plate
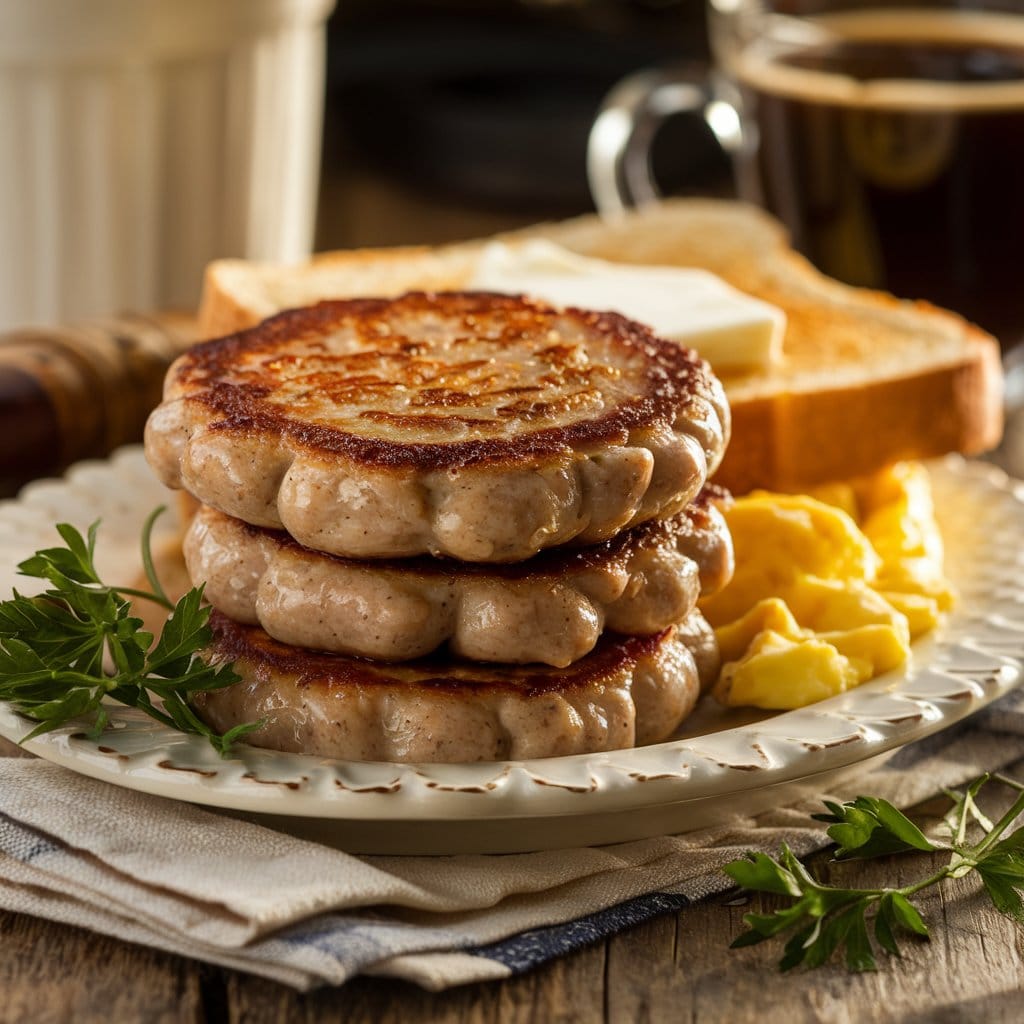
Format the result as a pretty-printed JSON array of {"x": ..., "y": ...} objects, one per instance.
[{"x": 723, "y": 764}]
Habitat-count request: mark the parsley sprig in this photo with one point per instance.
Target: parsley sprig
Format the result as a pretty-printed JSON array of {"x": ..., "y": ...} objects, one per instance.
[
  {"x": 823, "y": 920},
  {"x": 66, "y": 651}
]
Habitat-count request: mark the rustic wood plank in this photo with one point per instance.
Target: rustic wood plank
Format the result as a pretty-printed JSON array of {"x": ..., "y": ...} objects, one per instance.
[
  {"x": 673, "y": 968},
  {"x": 51, "y": 972},
  {"x": 970, "y": 970},
  {"x": 968, "y": 959},
  {"x": 571, "y": 989},
  {"x": 9, "y": 749},
  {"x": 679, "y": 967}
]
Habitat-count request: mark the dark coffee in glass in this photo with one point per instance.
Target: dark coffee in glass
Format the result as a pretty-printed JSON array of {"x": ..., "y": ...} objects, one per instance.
[
  {"x": 892, "y": 145},
  {"x": 887, "y": 136}
]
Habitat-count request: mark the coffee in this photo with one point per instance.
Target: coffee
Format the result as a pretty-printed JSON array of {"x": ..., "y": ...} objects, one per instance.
[{"x": 892, "y": 145}]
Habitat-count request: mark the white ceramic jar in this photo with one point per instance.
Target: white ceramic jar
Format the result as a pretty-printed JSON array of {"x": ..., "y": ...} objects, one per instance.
[{"x": 141, "y": 138}]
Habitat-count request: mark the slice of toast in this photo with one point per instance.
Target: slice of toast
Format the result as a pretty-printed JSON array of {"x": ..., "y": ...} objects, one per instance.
[{"x": 865, "y": 379}]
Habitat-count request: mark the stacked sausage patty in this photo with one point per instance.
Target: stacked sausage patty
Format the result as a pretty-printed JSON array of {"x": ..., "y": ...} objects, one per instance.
[{"x": 450, "y": 527}]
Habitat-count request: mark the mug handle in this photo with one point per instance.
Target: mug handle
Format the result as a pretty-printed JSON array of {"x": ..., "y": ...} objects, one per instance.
[{"x": 619, "y": 147}]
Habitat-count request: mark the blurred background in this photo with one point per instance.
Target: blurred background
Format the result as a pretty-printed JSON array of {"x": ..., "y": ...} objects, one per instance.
[
  {"x": 151, "y": 136},
  {"x": 147, "y": 137},
  {"x": 447, "y": 119}
]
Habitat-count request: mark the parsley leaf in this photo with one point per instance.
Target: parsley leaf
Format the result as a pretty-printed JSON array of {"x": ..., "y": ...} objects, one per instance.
[
  {"x": 869, "y": 827},
  {"x": 821, "y": 921},
  {"x": 77, "y": 645}
]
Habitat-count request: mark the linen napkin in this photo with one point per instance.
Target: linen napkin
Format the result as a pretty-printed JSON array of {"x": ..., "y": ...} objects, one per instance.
[{"x": 196, "y": 883}]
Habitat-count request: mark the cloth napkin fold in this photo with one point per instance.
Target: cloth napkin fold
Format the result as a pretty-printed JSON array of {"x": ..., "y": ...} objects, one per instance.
[{"x": 193, "y": 882}]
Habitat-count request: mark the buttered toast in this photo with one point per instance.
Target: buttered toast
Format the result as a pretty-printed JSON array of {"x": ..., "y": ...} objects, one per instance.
[{"x": 864, "y": 380}]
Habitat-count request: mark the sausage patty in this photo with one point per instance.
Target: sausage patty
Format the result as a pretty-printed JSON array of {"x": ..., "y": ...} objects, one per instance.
[
  {"x": 550, "y": 609},
  {"x": 627, "y": 691},
  {"x": 481, "y": 427}
]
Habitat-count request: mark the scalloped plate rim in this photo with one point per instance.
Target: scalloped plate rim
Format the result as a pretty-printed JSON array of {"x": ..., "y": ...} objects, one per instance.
[{"x": 552, "y": 787}]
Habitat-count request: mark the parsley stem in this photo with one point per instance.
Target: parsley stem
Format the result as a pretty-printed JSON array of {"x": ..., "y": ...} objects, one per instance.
[
  {"x": 48, "y": 675},
  {"x": 117, "y": 655},
  {"x": 159, "y": 594},
  {"x": 145, "y": 595},
  {"x": 960, "y": 837},
  {"x": 925, "y": 883},
  {"x": 1001, "y": 826},
  {"x": 1007, "y": 781}
]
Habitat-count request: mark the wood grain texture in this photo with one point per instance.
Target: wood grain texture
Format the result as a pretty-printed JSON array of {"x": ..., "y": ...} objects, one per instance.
[
  {"x": 50, "y": 972},
  {"x": 674, "y": 968}
]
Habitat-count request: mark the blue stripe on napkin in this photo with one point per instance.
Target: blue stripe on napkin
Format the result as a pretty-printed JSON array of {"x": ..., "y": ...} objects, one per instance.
[
  {"x": 529, "y": 949},
  {"x": 23, "y": 843}
]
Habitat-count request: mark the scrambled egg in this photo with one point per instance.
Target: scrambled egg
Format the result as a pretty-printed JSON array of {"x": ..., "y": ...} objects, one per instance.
[{"x": 830, "y": 588}]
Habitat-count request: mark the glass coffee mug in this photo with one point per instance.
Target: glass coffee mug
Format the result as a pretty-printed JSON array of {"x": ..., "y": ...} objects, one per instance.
[
  {"x": 143, "y": 138},
  {"x": 888, "y": 138}
]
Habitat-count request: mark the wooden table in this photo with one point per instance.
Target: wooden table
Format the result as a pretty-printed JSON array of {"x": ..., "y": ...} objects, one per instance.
[{"x": 675, "y": 968}]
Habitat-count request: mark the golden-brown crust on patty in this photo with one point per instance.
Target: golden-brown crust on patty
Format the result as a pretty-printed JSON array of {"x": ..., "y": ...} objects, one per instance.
[
  {"x": 236, "y": 642},
  {"x": 483, "y": 427},
  {"x": 528, "y": 366}
]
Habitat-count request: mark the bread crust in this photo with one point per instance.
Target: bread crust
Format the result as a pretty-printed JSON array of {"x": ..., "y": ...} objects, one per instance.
[
  {"x": 222, "y": 311},
  {"x": 551, "y": 609},
  {"x": 327, "y": 422},
  {"x": 630, "y": 690},
  {"x": 866, "y": 379},
  {"x": 850, "y": 432}
]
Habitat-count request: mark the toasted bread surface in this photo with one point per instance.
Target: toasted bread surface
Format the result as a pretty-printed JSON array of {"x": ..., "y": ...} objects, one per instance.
[
  {"x": 484, "y": 427},
  {"x": 865, "y": 379}
]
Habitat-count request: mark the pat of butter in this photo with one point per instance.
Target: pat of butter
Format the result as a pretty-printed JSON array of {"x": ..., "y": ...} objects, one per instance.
[{"x": 729, "y": 329}]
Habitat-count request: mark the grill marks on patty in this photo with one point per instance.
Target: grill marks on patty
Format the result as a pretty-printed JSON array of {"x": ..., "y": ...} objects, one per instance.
[
  {"x": 498, "y": 365},
  {"x": 475, "y": 426}
]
